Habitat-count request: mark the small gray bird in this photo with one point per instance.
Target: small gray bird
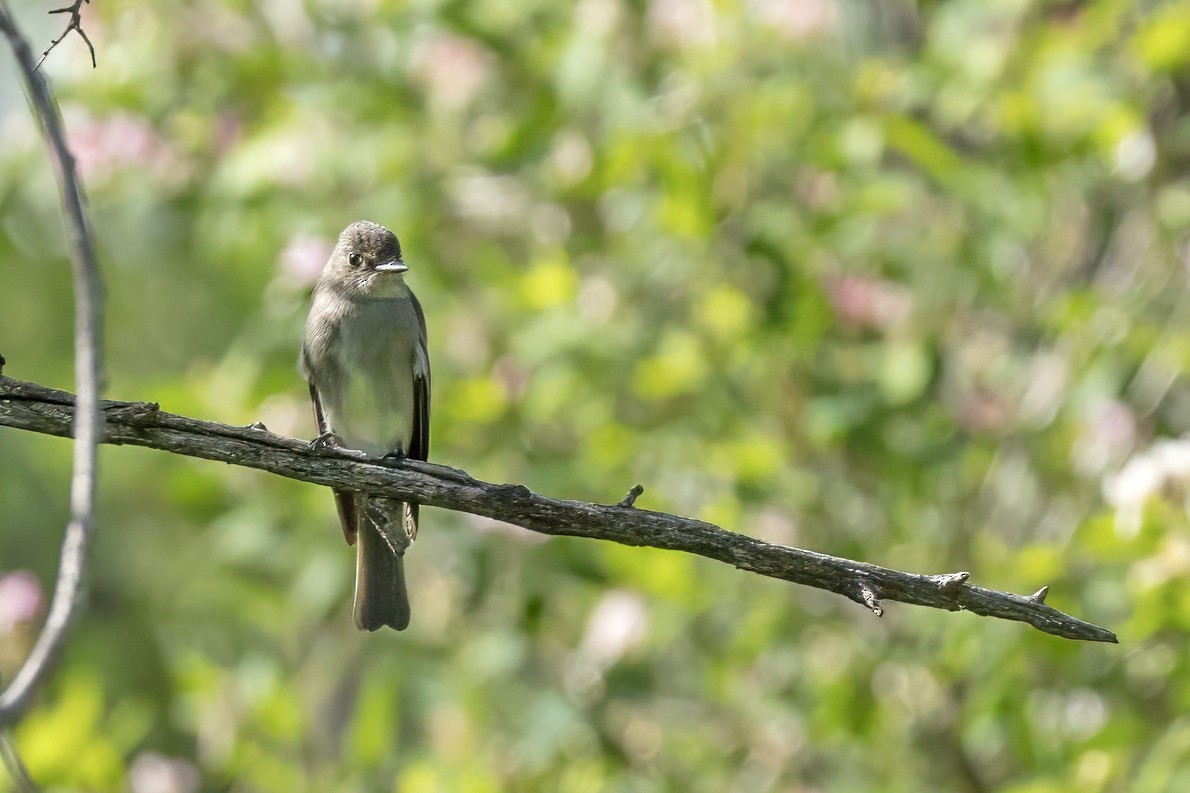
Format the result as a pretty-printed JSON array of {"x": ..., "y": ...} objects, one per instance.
[{"x": 364, "y": 355}]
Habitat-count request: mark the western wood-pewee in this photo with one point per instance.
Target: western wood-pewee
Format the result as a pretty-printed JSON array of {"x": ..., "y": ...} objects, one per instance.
[{"x": 364, "y": 354}]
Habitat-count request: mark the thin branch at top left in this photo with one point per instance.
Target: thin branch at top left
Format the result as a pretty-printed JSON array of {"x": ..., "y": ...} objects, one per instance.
[
  {"x": 75, "y": 24},
  {"x": 69, "y": 592}
]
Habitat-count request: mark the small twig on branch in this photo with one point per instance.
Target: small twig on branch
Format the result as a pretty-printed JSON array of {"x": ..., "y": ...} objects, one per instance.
[
  {"x": 75, "y": 10},
  {"x": 69, "y": 592},
  {"x": 37, "y": 408},
  {"x": 950, "y": 585},
  {"x": 629, "y": 501}
]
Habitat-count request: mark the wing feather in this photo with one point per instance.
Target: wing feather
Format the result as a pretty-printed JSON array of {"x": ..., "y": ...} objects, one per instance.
[
  {"x": 419, "y": 444},
  {"x": 345, "y": 500}
]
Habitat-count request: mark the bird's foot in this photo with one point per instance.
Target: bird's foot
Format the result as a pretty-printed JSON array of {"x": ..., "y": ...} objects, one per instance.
[
  {"x": 396, "y": 455},
  {"x": 327, "y": 440}
]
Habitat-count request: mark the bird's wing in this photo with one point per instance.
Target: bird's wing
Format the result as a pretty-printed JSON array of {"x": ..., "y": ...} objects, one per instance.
[
  {"x": 345, "y": 500},
  {"x": 419, "y": 443}
]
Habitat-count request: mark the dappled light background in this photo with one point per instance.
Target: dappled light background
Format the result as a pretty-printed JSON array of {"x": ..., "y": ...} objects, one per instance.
[{"x": 904, "y": 282}]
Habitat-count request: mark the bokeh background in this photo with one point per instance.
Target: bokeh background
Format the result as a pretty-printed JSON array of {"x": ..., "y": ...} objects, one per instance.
[{"x": 900, "y": 281}]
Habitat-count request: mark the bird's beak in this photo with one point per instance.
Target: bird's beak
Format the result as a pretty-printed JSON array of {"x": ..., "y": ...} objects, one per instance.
[{"x": 395, "y": 266}]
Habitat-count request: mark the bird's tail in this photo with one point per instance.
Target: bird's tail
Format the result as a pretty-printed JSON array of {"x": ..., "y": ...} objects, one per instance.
[{"x": 380, "y": 594}]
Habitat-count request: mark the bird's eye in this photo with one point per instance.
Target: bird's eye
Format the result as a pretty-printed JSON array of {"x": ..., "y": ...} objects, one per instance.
[{"x": 353, "y": 259}]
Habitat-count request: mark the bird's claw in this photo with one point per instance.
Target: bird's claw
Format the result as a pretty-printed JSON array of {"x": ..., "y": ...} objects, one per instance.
[{"x": 327, "y": 440}]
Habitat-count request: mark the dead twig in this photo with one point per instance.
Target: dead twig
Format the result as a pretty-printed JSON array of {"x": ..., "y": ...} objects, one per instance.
[{"x": 75, "y": 23}]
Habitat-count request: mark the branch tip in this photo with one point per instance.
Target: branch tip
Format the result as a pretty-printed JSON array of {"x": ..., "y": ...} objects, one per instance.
[
  {"x": 75, "y": 24},
  {"x": 629, "y": 501}
]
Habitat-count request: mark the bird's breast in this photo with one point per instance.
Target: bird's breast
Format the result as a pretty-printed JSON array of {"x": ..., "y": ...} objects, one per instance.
[{"x": 375, "y": 353}]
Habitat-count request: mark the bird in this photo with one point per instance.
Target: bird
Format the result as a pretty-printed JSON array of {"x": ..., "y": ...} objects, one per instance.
[{"x": 365, "y": 357}]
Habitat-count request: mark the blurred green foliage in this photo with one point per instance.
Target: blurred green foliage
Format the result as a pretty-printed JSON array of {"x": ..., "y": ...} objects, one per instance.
[{"x": 899, "y": 281}]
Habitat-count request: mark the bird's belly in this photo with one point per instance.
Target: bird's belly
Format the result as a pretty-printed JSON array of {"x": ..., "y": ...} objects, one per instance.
[
  {"x": 376, "y": 414},
  {"x": 374, "y": 410}
]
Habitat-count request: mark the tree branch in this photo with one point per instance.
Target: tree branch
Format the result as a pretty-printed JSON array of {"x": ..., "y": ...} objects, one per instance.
[
  {"x": 75, "y": 23},
  {"x": 34, "y": 407},
  {"x": 69, "y": 591}
]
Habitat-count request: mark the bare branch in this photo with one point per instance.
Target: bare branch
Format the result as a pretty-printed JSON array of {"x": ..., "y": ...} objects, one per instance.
[
  {"x": 40, "y": 409},
  {"x": 75, "y": 10},
  {"x": 69, "y": 592}
]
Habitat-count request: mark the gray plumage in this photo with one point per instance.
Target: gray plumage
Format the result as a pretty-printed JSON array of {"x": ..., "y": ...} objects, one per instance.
[{"x": 364, "y": 354}]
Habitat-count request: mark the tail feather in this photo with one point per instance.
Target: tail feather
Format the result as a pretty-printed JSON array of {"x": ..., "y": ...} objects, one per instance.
[{"x": 380, "y": 594}]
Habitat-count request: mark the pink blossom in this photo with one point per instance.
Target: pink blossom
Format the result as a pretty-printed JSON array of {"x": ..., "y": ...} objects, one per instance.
[
  {"x": 103, "y": 146},
  {"x": 303, "y": 258},
  {"x": 451, "y": 69},
  {"x": 21, "y": 599},
  {"x": 869, "y": 303}
]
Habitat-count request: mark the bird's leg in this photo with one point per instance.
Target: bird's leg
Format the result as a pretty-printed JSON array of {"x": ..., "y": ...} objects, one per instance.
[
  {"x": 326, "y": 438},
  {"x": 397, "y": 454}
]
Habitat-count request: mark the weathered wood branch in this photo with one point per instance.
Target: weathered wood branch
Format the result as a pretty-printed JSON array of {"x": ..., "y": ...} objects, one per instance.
[
  {"x": 33, "y": 407},
  {"x": 70, "y": 588}
]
